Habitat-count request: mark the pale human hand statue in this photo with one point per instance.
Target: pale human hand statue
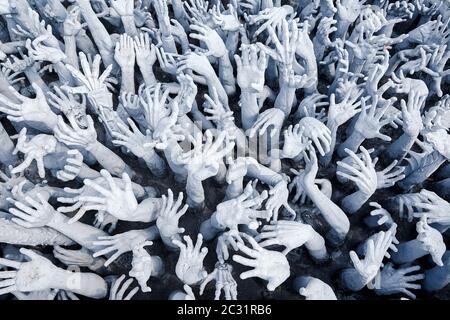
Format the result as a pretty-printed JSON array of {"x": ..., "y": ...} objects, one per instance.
[
  {"x": 272, "y": 118},
  {"x": 317, "y": 132},
  {"x": 272, "y": 17},
  {"x": 189, "y": 268},
  {"x": 91, "y": 82},
  {"x": 433, "y": 207},
  {"x": 134, "y": 140},
  {"x": 385, "y": 217},
  {"x": 362, "y": 172},
  {"x": 36, "y": 112},
  {"x": 315, "y": 289},
  {"x": 116, "y": 200},
  {"x": 160, "y": 116},
  {"x": 120, "y": 243},
  {"x": 214, "y": 43},
  {"x": 224, "y": 282},
  {"x": 268, "y": 265},
  {"x": 34, "y": 149},
  {"x": 33, "y": 213},
  {"x": 278, "y": 197},
  {"x": 143, "y": 266},
  {"x": 251, "y": 66},
  {"x": 40, "y": 52},
  {"x": 370, "y": 121},
  {"x": 34, "y": 275},
  {"x": 169, "y": 216},
  {"x": 69, "y": 105},
  {"x": 375, "y": 252},
  {"x": 75, "y": 135},
  {"x": 241, "y": 210},
  {"x": 82, "y": 257},
  {"x": 432, "y": 240},
  {"x": 124, "y": 53},
  {"x": 226, "y": 239},
  {"x": 202, "y": 162},
  {"x": 392, "y": 281},
  {"x": 289, "y": 234},
  {"x": 294, "y": 141}
]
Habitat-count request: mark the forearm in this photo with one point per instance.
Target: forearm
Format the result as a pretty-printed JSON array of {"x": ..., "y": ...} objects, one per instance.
[
  {"x": 235, "y": 188},
  {"x": 408, "y": 251},
  {"x": 232, "y": 42},
  {"x": 316, "y": 246},
  {"x": 285, "y": 99},
  {"x": 399, "y": 148},
  {"x": 85, "y": 44},
  {"x": 249, "y": 109},
  {"x": 195, "y": 192},
  {"x": 352, "y": 280},
  {"x": 147, "y": 210},
  {"x": 226, "y": 74},
  {"x": 108, "y": 159},
  {"x": 352, "y": 143},
  {"x": 12, "y": 233},
  {"x": 354, "y": 201},
  {"x": 64, "y": 75},
  {"x": 263, "y": 174},
  {"x": 155, "y": 163},
  {"x": 214, "y": 82},
  {"x": 147, "y": 74},
  {"x": 319, "y": 49},
  {"x": 312, "y": 72},
  {"x": 325, "y": 160},
  {"x": 334, "y": 216},
  {"x": 87, "y": 173},
  {"x": 129, "y": 25},
  {"x": 34, "y": 77},
  {"x": 127, "y": 82},
  {"x": 356, "y": 65},
  {"x": 71, "y": 51},
  {"x": 6, "y": 148},
  {"x": 81, "y": 233},
  {"x": 168, "y": 43},
  {"x": 83, "y": 283},
  {"x": 342, "y": 28},
  {"x": 210, "y": 229},
  {"x": 99, "y": 33}
]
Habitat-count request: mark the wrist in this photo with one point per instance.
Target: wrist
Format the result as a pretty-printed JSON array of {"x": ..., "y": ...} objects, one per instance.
[
  {"x": 93, "y": 147},
  {"x": 194, "y": 190},
  {"x": 127, "y": 68},
  {"x": 332, "y": 125},
  {"x": 57, "y": 220},
  {"x": 356, "y": 138},
  {"x": 311, "y": 189},
  {"x": 215, "y": 223},
  {"x": 60, "y": 278},
  {"x": 52, "y": 121},
  {"x": 223, "y": 58},
  {"x": 68, "y": 36}
]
